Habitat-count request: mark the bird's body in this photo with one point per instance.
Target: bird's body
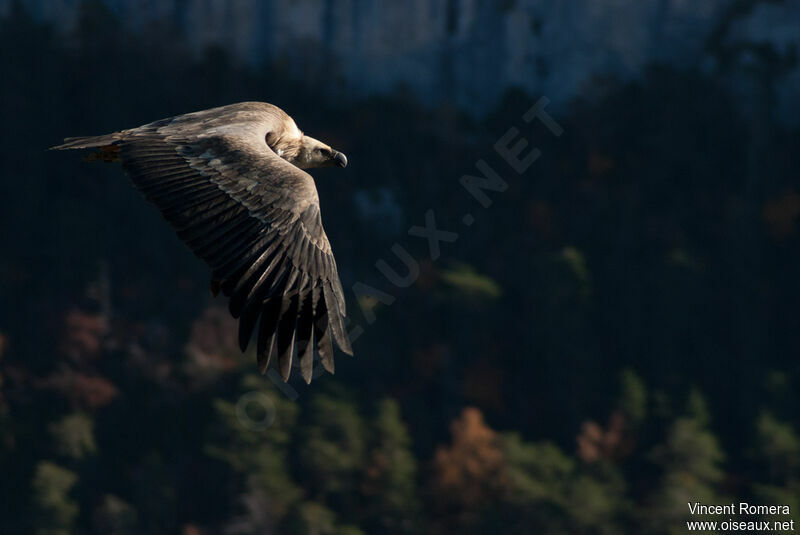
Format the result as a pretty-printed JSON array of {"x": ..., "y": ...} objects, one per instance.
[{"x": 230, "y": 182}]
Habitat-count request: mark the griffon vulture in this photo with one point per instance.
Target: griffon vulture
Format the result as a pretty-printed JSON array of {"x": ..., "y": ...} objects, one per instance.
[{"x": 230, "y": 181}]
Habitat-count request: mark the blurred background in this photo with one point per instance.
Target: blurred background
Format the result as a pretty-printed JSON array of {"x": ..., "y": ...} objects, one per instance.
[{"x": 615, "y": 336}]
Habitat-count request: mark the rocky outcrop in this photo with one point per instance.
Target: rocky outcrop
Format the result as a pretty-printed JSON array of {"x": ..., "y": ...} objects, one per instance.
[{"x": 464, "y": 51}]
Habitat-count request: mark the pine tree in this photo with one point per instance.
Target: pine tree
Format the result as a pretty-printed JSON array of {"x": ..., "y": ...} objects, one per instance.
[
  {"x": 55, "y": 510},
  {"x": 691, "y": 464},
  {"x": 390, "y": 477},
  {"x": 252, "y": 436}
]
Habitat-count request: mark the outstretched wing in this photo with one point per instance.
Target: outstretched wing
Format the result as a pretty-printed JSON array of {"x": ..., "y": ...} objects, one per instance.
[{"x": 254, "y": 218}]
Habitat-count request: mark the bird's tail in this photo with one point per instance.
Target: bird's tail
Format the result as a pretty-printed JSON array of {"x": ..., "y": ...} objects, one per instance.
[
  {"x": 85, "y": 142},
  {"x": 108, "y": 150}
]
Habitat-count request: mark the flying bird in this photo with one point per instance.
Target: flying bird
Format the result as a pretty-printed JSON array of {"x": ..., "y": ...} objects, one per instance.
[{"x": 231, "y": 182}]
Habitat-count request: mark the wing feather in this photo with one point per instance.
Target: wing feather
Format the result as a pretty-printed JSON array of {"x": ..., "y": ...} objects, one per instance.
[
  {"x": 305, "y": 333},
  {"x": 286, "y": 334}
]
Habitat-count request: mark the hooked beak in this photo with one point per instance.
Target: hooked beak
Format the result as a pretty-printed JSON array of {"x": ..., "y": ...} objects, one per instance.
[{"x": 339, "y": 159}]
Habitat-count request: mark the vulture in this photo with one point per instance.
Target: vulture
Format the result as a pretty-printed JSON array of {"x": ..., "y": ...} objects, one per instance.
[{"x": 231, "y": 183}]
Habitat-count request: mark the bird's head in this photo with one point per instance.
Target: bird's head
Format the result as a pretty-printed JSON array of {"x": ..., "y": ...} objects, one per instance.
[{"x": 315, "y": 153}]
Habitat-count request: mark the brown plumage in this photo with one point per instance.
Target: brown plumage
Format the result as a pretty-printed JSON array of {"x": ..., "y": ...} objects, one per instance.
[{"x": 230, "y": 182}]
